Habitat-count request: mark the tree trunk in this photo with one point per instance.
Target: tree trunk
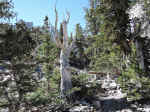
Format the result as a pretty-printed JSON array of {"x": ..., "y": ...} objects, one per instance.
[
  {"x": 140, "y": 54},
  {"x": 66, "y": 84},
  {"x": 66, "y": 48}
]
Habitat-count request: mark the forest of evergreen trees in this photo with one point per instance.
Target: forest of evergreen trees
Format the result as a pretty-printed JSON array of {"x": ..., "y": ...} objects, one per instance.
[{"x": 46, "y": 67}]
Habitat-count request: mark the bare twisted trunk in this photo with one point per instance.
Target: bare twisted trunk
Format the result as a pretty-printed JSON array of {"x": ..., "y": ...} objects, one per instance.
[{"x": 66, "y": 84}]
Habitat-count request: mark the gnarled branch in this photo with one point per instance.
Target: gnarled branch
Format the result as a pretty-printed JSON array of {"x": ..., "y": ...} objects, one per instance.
[{"x": 58, "y": 42}]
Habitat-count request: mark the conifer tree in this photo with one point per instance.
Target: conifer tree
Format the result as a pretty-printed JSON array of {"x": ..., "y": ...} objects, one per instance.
[
  {"x": 17, "y": 59},
  {"x": 17, "y": 76},
  {"x": 47, "y": 52},
  {"x": 92, "y": 17},
  {"x": 6, "y": 10},
  {"x": 112, "y": 23},
  {"x": 78, "y": 58},
  {"x": 116, "y": 21},
  {"x": 79, "y": 31}
]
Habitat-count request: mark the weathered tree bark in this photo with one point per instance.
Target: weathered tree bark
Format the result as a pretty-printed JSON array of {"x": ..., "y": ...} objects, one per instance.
[
  {"x": 66, "y": 48},
  {"x": 66, "y": 84},
  {"x": 140, "y": 55},
  {"x": 141, "y": 34},
  {"x": 137, "y": 12}
]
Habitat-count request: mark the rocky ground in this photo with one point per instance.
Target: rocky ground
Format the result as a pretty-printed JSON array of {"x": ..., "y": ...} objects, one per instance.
[{"x": 112, "y": 100}]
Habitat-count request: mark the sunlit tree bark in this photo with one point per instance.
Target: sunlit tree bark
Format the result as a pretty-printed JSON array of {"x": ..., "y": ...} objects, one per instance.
[{"x": 63, "y": 43}]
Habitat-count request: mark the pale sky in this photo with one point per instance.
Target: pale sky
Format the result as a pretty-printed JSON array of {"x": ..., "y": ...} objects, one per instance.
[{"x": 35, "y": 11}]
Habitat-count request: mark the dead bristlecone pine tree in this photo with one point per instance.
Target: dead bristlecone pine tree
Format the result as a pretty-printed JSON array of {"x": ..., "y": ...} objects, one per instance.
[{"x": 62, "y": 41}]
